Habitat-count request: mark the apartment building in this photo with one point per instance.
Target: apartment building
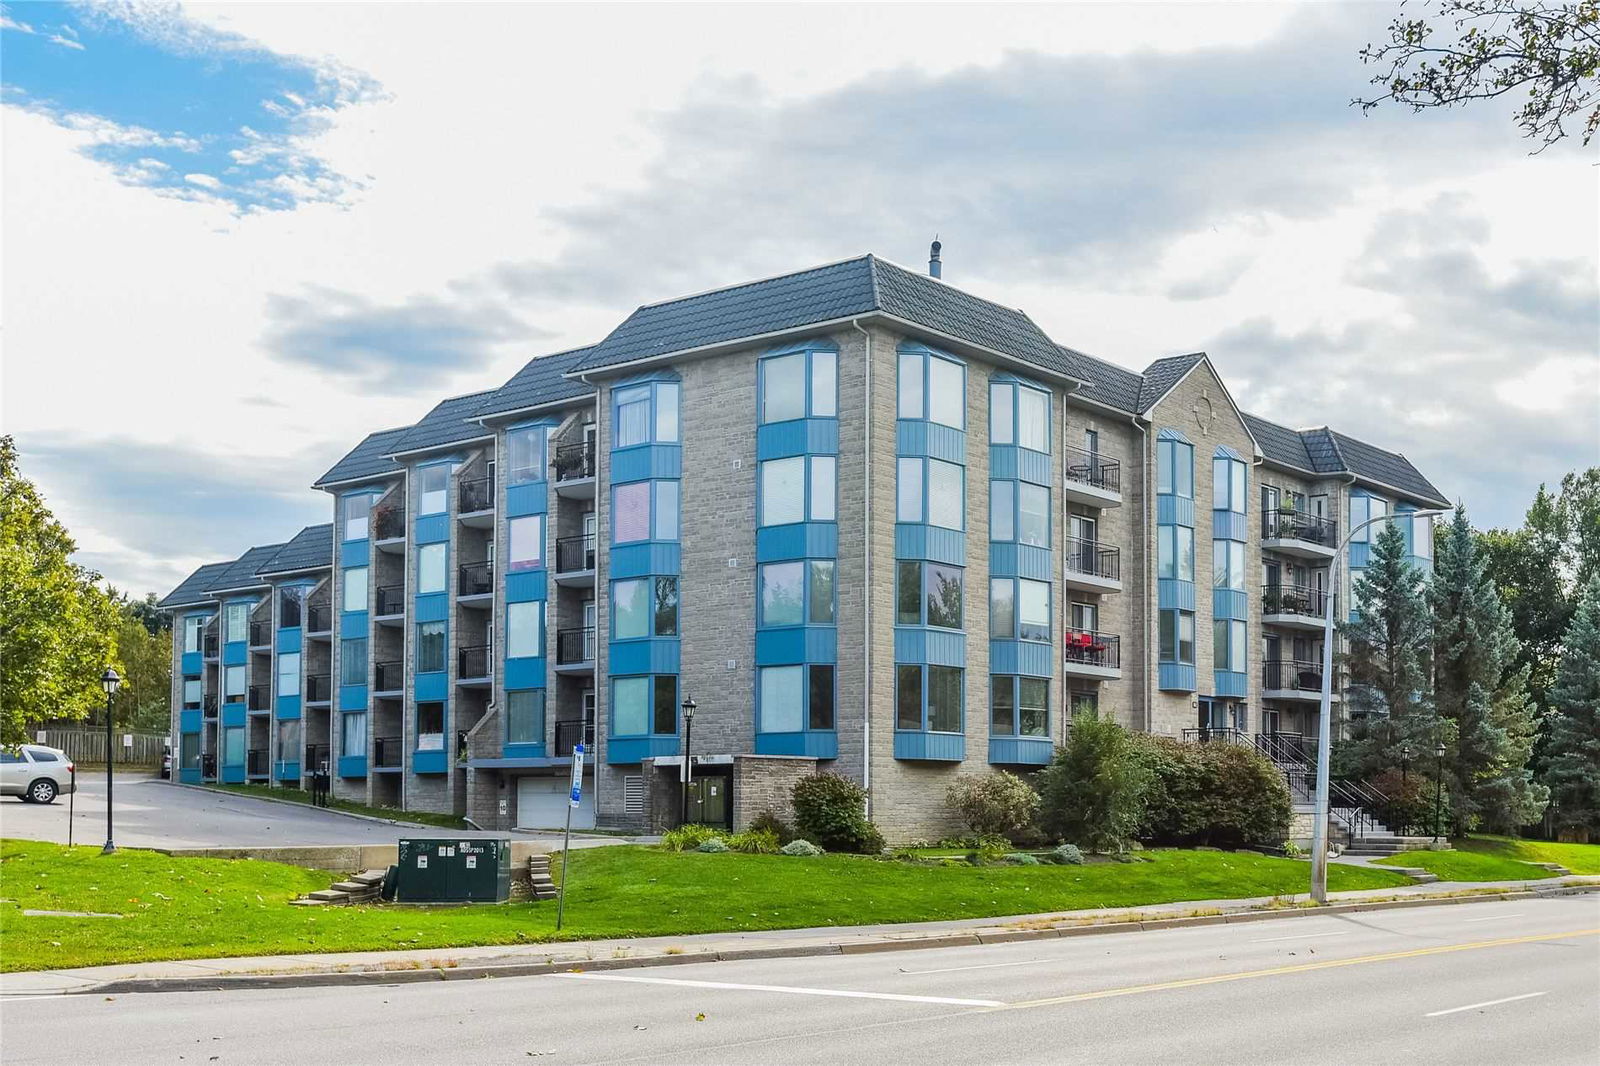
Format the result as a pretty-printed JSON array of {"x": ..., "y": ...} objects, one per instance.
[{"x": 863, "y": 520}]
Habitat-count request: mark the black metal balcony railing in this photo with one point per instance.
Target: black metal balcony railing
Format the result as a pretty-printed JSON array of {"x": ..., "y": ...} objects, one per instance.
[
  {"x": 574, "y": 554},
  {"x": 1094, "y": 559},
  {"x": 258, "y": 698},
  {"x": 1084, "y": 648},
  {"x": 1216, "y": 735},
  {"x": 210, "y": 650},
  {"x": 475, "y": 494},
  {"x": 1092, "y": 468},
  {"x": 388, "y": 676},
  {"x": 473, "y": 661},
  {"x": 391, "y": 600},
  {"x": 1292, "y": 675},
  {"x": 255, "y": 762},
  {"x": 567, "y": 734},
  {"x": 476, "y": 579},
  {"x": 575, "y": 646},
  {"x": 1302, "y": 600},
  {"x": 1285, "y": 524},
  {"x": 386, "y": 751},
  {"x": 319, "y": 688},
  {"x": 208, "y": 764},
  {"x": 573, "y": 461},
  {"x": 389, "y": 521},
  {"x": 260, "y": 634},
  {"x": 208, "y": 703},
  {"x": 317, "y": 758},
  {"x": 319, "y": 619}
]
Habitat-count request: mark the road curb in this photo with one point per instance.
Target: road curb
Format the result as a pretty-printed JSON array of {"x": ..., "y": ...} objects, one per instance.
[
  {"x": 313, "y": 807},
  {"x": 422, "y": 972}
]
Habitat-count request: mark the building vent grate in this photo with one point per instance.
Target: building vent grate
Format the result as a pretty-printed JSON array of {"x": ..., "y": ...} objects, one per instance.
[{"x": 633, "y": 795}]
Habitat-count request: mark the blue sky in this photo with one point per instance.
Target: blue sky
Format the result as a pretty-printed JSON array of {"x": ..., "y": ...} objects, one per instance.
[{"x": 239, "y": 237}]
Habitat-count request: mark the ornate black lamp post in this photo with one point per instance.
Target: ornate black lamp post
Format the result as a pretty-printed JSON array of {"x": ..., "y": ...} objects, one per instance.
[
  {"x": 1438, "y": 789},
  {"x": 110, "y": 681},
  {"x": 689, "y": 706}
]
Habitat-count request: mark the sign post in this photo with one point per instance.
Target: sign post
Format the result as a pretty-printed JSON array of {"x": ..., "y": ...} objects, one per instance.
[{"x": 573, "y": 800}]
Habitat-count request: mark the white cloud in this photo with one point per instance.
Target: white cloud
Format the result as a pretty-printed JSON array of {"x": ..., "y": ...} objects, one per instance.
[{"x": 205, "y": 181}]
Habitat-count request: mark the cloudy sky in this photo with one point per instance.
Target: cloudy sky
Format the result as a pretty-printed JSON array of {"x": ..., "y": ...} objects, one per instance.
[{"x": 237, "y": 238}]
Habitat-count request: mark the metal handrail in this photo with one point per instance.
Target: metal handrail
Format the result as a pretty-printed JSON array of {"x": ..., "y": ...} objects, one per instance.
[
  {"x": 256, "y": 697},
  {"x": 388, "y": 676},
  {"x": 568, "y": 732},
  {"x": 475, "y": 494},
  {"x": 260, "y": 634},
  {"x": 1217, "y": 735},
  {"x": 319, "y": 688},
  {"x": 1093, "y": 558},
  {"x": 572, "y": 462},
  {"x": 1295, "y": 675},
  {"x": 574, "y": 555},
  {"x": 472, "y": 661},
  {"x": 1086, "y": 648},
  {"x": 319, "y": 619},
  {"x": 386, "y": 751},
  {"x": 575, "y": 646},
  {"x": 1092, "y": 468},
  {"x": 389, "y": 521},
  {"x": 475, "y": 579},
  {"x": 1303, "y": 600},
  {"x": 1289, "y": 524}
]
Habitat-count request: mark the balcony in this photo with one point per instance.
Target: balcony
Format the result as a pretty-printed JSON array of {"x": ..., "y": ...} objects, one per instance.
[
  {"x": 573, "y": 465},
  {"x": 475, "y": 500},
  {"x": 388, "y": 677},
  {"x": 391, "y": 603},
  {"x": 1297, "y": 533},
  {"x": 568, "y": 733},
  {"x": 255, "y": 762},
  {"x": 258, "y": 698},
  {"x": 319, "y": 620},
  {"x": 389, "y": 526},
  {"x": 475, "y": 579},
  {"x": 210, "y": 647},
  {"x": 1093, "y": 655},
  {"x": 1091, "y": 478},
  {"x": 319, "y": 688},
  {"x": 261, "y": 634},
  {"x": 575, "y": 649},
  {"x": 1217, "y": 735},
  {"x": 575, "y": 560},
  {"x": 473, "y": 664},
  {"x": 1294, "y": 606},
  {"x": 318, "y": 757},
  {"x": 386, "y": 753},
  {"x": 208, "y": 704},
  {"x": 1092, "y": 566},
  {"x": 1291, "y": 679}
]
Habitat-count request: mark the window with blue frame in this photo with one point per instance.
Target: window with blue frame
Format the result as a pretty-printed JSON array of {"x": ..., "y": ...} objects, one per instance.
[
  {"x": 799, "y": 592},
  {"x": 799, "y": 385},
  {"x": 430, "y": 647},
  {"x": 646, "y": 413},
  {"x": 354, "y": 582},
  {"x": 795, "y": 698},
  {"x": 193, "y": 625},
  {"x": 928, "y": 698},
  {"x": 233, "y": 683},
  {"x": 433, "y": 489},
  {"x": 233, "y": 746},
  {"x": 430, "y": 725},
  {"x": 646, "y": 705},
  {"x": 525, "y": 543},
  {"x": 1176, "y": 632},
  {"x": 1227, "y": 564},
  {"x": 234, "y": 618},
  {"x": 356, "y": 512},
  {"x": 353, "y": 661},
  {"x": 525, "y": 716},
  {"x": 1229, "y": 644},
  {"x": 644, "y": 607},
  {"x": 525, "y": 630},
  {"x": 431, "y": 568},
  {"x": 525, "y": 454},
  {"x": 191, "y": 693},
  {"x": 289, "y": 674},
  {"x": 933, "y": 389},
  {"x": 353, "y": 734},
  {"x": 930, "y": 491},
  {"x": 644, "y": 510},
  {"x": 801, "y": 488},
  {"x": 1019, "y": 609},
  {"x": 1019, "y": 414},
  {"x": 1019, "y": 706},
  {"x": 291, "y": 604},
  {"x": 928, "y": 594},
  {"x": 1228, "y": 484},
  {"x": 1019, "y": 511},
  {"x": 1364, "y": 508},
  {"x": 1175, "y": 468},
  {"x": 1175, "y": 552}
]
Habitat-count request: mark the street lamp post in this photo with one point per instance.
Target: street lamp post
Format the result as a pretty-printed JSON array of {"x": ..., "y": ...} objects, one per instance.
[
  {"x": 110, "y": 681},
  {"x": 1319, "y": 824},
  {"x": 689, "y": 706},
  {"x": 1405, "y": 802},
  {"x": 1438, "y": 787}
]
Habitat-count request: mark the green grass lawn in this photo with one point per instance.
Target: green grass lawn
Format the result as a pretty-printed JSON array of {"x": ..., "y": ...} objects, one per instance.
[
  {"x": 299, "y": 795},
  {"x": 1579, "y": 858},
  {"x": 1467, "y": 866},
  {"x": 198, "y": 908}
]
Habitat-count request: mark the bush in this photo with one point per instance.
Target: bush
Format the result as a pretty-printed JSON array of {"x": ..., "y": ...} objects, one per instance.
[
  {"x": 830, "y": 810},
  {"x": 996, "y": 804},
  {"x": 1067, "y": 855},
  {"x": 688, "y": 837},
  {"x": 1019, "y": 858},
  {"x": 755, "y": 842},
  {"x": 800, "y": 847},
  {"x": 990, "y": 850},
  {"x": 714, "y": 846},
  {"x": 1216, "y": 795},
  {"x": 1093, "y": 790},
  {"x": 1410, "y": 806},
  {"x": 768, "y": 822}
]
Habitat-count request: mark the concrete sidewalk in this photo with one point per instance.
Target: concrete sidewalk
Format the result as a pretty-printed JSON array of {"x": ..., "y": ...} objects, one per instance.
[{"x": 389, "y": 967}]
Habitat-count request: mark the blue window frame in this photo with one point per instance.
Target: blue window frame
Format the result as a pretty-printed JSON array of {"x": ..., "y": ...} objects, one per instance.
[
  {"x": 1019, "y": 609},
  {"x": 1175, "y": 552},
  {"x": 797, "y": 592},
  {"x": 645, "y": 510},
  {"x": 1229, "y": 644},
  {"x": 929, "y": 594},
  {"x": 1019, "y": 706},
  {"x": 353, "y": 661},
  {"x": 1228, "y": 484},
  {"x": 933, "y": 388},
  {"x": 433, "y": 488},
  {"x": 646, "y": 413},
  {"x": 929, "y": 698},
  {"x": 1019, "y": 511},
  {"x": 931, "y": 491},
  {"x": 1019, "y": 414},
  {"x": 646, "y": 705},
  {"x": 800, "y": 488},
  {"x": 525, "y": 716},
  {"x": 1227, "y": 564},
  {"x": 1175, "y": 468},
  {"x": 525, "y": 454},
  {"x": 355, "y": 513},
  {"x": 525, "y": 630},
  {"x": 795, "y": 697},
  {"x": 1364, "y": 508},
  {"x": 644, "y": 607},
  {"x": 1177, "y": 636},
  {"x": 803, "y": 384}
]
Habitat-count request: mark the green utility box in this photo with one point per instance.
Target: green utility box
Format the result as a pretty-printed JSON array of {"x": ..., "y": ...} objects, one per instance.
[{"x": 453, "y": 871}]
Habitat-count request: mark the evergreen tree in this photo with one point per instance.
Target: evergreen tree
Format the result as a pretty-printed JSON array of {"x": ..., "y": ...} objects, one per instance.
[
  {"x": 1480, "y": 692},
  {"x": 1573, "y": 757},
  {"x": 1531, "y": 567},
  {"x": 1386, "y": 660}
]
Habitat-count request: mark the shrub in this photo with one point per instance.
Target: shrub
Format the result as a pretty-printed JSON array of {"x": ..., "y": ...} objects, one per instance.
[
  {"x": 688, "y": 837},
  {"x": 755, "y": 842},
  {"x": 1067, "y": 855},
  {"x": 1019, "y": 858},
  {"x": 1410, "y": 805},
  {"x": 830, "y": 810},
  {"x": 1093, "y": 790},
  {"x": 995, "y": 804},
  {"x": 1216, "y": 795},
  {"x": 771, "y": 823},
  {"x": 800, "y": 847},
  {"x": 714, "y": 846},
  {"x": 990, "y": 850}
]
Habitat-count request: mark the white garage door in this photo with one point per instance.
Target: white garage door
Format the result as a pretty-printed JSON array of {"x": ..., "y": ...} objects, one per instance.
[{"x": 542, "y": 803}]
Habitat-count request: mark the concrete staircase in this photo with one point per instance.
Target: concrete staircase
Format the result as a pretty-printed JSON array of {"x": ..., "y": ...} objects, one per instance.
[
  {"x": 363, "y": 887},
  {"x": 542, "y": 886},
  {"x": 1376, "y": 839}
]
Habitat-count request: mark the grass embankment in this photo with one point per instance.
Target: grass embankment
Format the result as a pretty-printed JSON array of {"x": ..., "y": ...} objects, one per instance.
[
  {"x": 299, "y": 795},
  {"x": 200, "y": 908},
  {"x": 1467, "y": 866},
  {"x": 1579, "y": 858}
]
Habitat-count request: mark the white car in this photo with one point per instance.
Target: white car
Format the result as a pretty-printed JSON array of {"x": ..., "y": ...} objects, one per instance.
[{"x": 35, "y": 773}]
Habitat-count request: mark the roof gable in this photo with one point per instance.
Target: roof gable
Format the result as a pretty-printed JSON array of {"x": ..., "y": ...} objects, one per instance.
[
  {"x": 191, "y": 590},
  {"x": 543, "y": 380},
  {"x": 369, "y": 459},
  {"x": 1161, "y": 376},
  {"x": 309, "y": 549},
  {"x": 448, "y": 423}
]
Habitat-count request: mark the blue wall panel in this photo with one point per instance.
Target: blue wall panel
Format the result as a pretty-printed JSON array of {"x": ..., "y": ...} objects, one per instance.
[
  {"x": 431, "y": 607},
  {"x": 286, "y": 770},
  {"x": 1177, "y": 677},
  {"x": 1007, "y": 559},
  {"x": 817, "y": 744},
  {"x": 1020, "y": 751},
  {"x": 624, "y": 751},
  {"x": 645, "y": 558},
  {"x": 780, "y": 440},
  {"x": 355, "y": 553},
  {"x": 646, "y": 461},
  {"x": 1174, "y": 594},
  {"x": 531, "y": 498},
  {"x": 1024, "y": 657},
  {"x": 913, "y": 540},
  {"x": 191, "y": 664},
  {"x": 1174, "y": 511},
  {"x": 525, "y": 673},
  {"x": 653, "y": 656},
  {"x": 934, "y": 747},
  {"x": 936, "y": 647},
  {"x": 801, "y": 540},
  {"x": 234, "y": 653},
  {"x": 433, "y": 529},
  {"x": 353, "y": 623},
  {"x": 432, "y": 687},
  {"x": 1007, "y": 461},
  {"x": 1229, "y": 525},
  {"x": 525, "y": 586},
  {"x": 290, "y": 640},
  {"x": 352, "y": 697},
  {"x": 233, "y": 775},
  {"x": 1230, "y": 603},
  {"x": 188, "y": 721},
  {"x": 352, "y": 766},
  {"x": 429, "y": 762},
  {"x": 234, "y": 714},
  {"x": 930, "y": 439},
  {"x": 1230, "y": 683},
  {"x": 1359, "y": 553},
  {"x": 287, "y": 708}
]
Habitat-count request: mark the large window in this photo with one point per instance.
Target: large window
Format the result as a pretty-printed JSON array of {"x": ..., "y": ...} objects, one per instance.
[
  {"x": 931, "y": 491},
  {"x": 796, "y": 697},
  {"x": 928, "y": 698},
  {"x": 355, "y": 512},
  {"x": 1019, "y": 511},
  {"x": 189, "y": 751},
  {"x": 1228, "y": 484},
  {"x": 233, "y": 746},
  {"x": 928, "y": 594},
  {"x": 433, "y": 486},
  {"x": 1019, "y": 706},
  {"x": 1019, "y": 609},
  {"x": 291, "y": 603},
  {"x": 1364, "y": 509},
  {"x": 1175, "y": 468},
  {"x": 1177, "y": 637},
  {"x": 795, "y": 593},
  {"x": 1227, "y": 564},
  {"x": 1175, "y": 552},
  {"x": 525, "y": 536},
  {"x": 355, "y": 588},
  {"x": 644, "y": 705},
  {"x": 430, "y": 727},
  {"x": 353, "y": 734},
  {"x": 644, "y": 607},
  {"x": 636, "y": 424},
  {"x": 933, "y": 388},
  {"x": 525, "y": 716},
  {"x": 430, "y": 647},
  {"x": 191, "y": 692},
  {"x": 798, "y": 489},
  {"x": 289, "y": 740},
  {"x": 430, "y": 568},
  {"x": 525, "y": 453},
  {"x": 193, "y": 626},
  {"x": 233, "y": 682},
  {"x": 235, "y": 616},
  {"x": 798, "y": 385},
  {"x": 525, "y": 630},
  {"x": 1020, "y": 415},
  {"x": 634, "y": 518},
  {"x": 353, "y": 661},
  {"x": 289, "y": 674},
  {"x": 1228, "y": 644}
]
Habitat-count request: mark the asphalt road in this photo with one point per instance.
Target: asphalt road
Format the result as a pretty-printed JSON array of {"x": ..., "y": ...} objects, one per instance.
[
  {"x": 153, "y": 813},
  {"x": 1503, "y": 983}
]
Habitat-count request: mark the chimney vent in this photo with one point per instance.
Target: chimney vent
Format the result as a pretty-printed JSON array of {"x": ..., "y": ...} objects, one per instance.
[{"x": 935, "y": 268}]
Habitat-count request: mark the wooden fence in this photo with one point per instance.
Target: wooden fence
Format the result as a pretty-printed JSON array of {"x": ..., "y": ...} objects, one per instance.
[{"x": 89, "y": 746}]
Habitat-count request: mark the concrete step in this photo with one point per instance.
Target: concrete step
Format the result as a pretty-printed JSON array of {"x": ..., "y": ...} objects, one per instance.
[
  {"x": 352, "y": 888},
  {"x": 370, "y": 877},
  {"x": 307, "y": 903},
  {"x": 329, "y": 895}
]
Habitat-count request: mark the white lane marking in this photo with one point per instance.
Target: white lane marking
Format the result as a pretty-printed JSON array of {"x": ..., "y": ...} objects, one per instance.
[
  {"x": 1490, "y": 1003},
  {"x": 1493, "y": 918},
  {"x": 792, "y": 990},
  {"x": 985, "y": 966},
  {"x": 1298, "y": 936}
]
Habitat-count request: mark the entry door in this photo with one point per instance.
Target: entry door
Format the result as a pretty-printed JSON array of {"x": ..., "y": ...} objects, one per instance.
[
  {"x": 1087, "y": 532},
  {"x": 709, "y": 801},
  {"x": 588, "y": 711},
  {"x": 588, "y": 633},
  {"x": 588, "y": 540},
  {"x": 1084, "y": 617}
]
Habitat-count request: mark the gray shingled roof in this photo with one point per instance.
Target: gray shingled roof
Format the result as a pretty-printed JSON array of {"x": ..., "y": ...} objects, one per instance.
[
  {"x": 1108, "y": 383},
  {"x": 1162, "y": 374},
  {"x": 1387, "y": 468},
  {"x": 542, "y": 381},
  {"x": 192, "y": 589},
  {"x": 241, "y": 573},
  {"x": 825, "y": 294},
  {"x": 1280, "y": 444},
  {"x": 1325, "y": 451},
  {"x": 309, "y": 549},
  {"x": 446, "y": 424},
  {"x": 367, "y": 459}
]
